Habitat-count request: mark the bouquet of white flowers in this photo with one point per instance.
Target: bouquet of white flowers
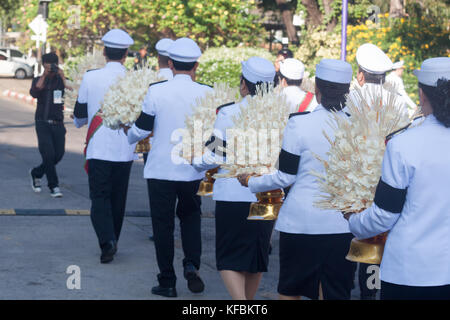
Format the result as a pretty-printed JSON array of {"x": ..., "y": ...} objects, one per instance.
[
  {"x": 200, "y": 123},
  {"x": 353, "y": 168},
  {"x": 122, "y": 104},
  {"x": 257, "y": 135},
  {"x": 75, "y": 75}
]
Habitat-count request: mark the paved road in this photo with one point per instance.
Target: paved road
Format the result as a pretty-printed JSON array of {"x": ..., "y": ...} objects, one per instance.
[{"x": 35, "y": 250}]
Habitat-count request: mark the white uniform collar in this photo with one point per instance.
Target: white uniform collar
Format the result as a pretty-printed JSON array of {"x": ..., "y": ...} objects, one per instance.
[
  {"x": 184, "y": 77},
  {"x": 114, "y": 64},
  {"x": 292, "y": 88},
  {"x": 319, "y": 107}
]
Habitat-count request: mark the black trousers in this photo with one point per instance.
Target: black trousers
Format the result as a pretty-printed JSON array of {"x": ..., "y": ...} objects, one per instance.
[
  {"x": 51, "y": 142},
  {"x": 363, "y": 276},
  {"x": 391, "y": 291},
  {"x": 108, "y": 187},
  {"x": 163, "y": 196}
]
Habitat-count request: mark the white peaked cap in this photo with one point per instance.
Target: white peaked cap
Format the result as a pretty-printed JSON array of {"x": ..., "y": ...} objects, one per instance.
[
  {"x": 433, "y": 69},
  {"x": 398, "y": 64},
  {"x": 257, "y": 69},
  {"x": 334, "y": 70},
  {"x": 292, "y": 69},
  {"x": 117, "y": 38},
  {"x": 184, "y": 50},
  {"x": 372, "y": 59},
  {"x": 162, "y": 45}
]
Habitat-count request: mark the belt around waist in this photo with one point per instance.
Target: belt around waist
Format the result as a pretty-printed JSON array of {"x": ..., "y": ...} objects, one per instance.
[{"x": 52, "y": 121}]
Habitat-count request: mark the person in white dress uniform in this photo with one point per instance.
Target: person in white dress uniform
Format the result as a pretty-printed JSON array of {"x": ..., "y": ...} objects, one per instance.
[
  {"x": 412, "y": 198},
  {"x": 172, "y": 182},
  {"x": 395, "y": 78},
  {"x": 242, "y": 246},
  {"x": 373, "y": 65},
  {"x": 109, "y": 156},
  {"x": 291, "y": 75},
  {"x": 313, "y": 242},
  {"x": 164, "y": 72}
]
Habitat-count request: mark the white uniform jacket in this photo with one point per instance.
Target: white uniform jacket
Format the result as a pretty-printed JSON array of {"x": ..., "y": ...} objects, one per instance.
[
  {"x": 105, "y": 144},
  {"x": 413, "y": 202},
  {"x": 225, "y": 189},
  {"x": 165, "y": 108},
  {"x": 394, "y": 79},
  {"x": 295, "y": 96},
  {"x": 302, "y": 139},
  {"x": 165, "y": 73}
]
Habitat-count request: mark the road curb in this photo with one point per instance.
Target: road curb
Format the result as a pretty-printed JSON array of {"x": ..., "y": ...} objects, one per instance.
[
  {"x": 61, "y": 212},
  {"x": 19, "y": 96}
]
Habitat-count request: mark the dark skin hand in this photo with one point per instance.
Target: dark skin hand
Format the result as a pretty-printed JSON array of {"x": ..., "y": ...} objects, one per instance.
[
  {"x": 347, "y": 215},
  {"x": 125, "y": 128},
  {"x": 243, "y": 179}
]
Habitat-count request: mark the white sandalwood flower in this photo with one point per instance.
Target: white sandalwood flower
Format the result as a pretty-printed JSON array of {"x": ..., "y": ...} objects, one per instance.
[
  {"x": 200, "y": 123},
  {"x": 122, "y": 104},
  {"x": 260, "y": 125},
  {"x": 75, "y": 76},
  {"x": 353, "y": 168}
]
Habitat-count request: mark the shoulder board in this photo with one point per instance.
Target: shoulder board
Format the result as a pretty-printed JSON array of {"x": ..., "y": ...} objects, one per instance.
[
  {"x": 224, "y": 105},
  {"x": 397, "y": 132},
  {"x": 298, "y": 114},
  {"x": 151, "y": 84},
  {"x": 203, "y": 84},
  {"x": 348, "y": 114},
  {"x": 92, "y": 70}
]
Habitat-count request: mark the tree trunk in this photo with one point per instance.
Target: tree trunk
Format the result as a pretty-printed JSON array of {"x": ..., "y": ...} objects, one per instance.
[
  {"x": 313, "y": 14},
  {"x": 329, "y": 10},
  {"x": 396, "y": 9},
  {"x": 286, "y": 14}
]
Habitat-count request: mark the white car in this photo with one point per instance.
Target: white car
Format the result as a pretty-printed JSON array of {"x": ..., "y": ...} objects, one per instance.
[{"x": 13, "y": 68}]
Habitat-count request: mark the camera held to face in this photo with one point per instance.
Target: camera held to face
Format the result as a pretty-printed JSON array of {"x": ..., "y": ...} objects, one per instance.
[{"x": 54, "y": 68}]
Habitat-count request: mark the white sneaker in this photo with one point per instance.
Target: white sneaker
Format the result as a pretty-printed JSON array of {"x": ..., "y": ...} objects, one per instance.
[
  {"x": 35, "y": 183},
  {"x": 56, "y": 192}
]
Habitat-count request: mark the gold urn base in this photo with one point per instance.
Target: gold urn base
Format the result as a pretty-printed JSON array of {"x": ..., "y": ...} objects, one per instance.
[
  {"x": 368, "y": 251},
  {"x": 143, "y": 146},
  {"x": 268, "y": 205},
  {"x": 205, "y": 189},
  {"x": 206, "y": 186}
]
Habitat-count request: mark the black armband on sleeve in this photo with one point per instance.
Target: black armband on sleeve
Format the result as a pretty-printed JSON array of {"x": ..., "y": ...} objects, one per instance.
[
  {"x": 214, "y": 143},
  {"x": 288, "y": 162},
  {"x": 80, "y": 111},
  {"x": 389, "y": 198},
  {"x": 145, "y": 122}
]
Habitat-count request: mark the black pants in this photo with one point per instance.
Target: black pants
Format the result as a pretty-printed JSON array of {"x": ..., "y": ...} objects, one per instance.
[
  {"x": 163, "y": 196},
  {"x": 51, "y": 141},
  {"x": 390, "y": 291},
  {"x": 108, "y": 187},
  {"x": 363, "y": 276}
]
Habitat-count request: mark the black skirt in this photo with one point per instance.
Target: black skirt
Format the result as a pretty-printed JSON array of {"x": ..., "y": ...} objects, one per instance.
[
  {"x": 307, "y": 260},
  {"x": 241, "y": 245}
]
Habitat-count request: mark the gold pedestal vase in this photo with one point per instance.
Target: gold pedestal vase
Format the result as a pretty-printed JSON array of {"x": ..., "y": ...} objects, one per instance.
[
  {"x": 206, "y": 186},
  {"x": 268, "y": 205}
]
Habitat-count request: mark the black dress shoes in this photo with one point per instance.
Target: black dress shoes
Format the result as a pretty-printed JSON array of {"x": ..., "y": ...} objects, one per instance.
[
  {"x": 165, "y": 292},
  {"x": 194, "y": 282},
  {"x": 109, "y": 249}
]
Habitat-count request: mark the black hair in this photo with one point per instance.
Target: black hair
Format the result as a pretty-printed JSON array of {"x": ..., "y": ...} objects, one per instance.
[
  {"x": 373, "y": 78},
  {"x": 333, "y": 94},
  {"x": 291, "y": 82},
  {"x": 115, "y": 54},
  {"x": 252, "y": 87},
  {"x": 183, "y": 66},
  {"x": 439, "y": 97},
  {"x": 164, "y": 60},
  {"x": 286, "y": 53},
  {"x": 50, "y": 58}
]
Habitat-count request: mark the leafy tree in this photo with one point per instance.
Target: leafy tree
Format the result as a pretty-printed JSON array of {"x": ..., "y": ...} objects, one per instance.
[{"x": 220, "y": 22}]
